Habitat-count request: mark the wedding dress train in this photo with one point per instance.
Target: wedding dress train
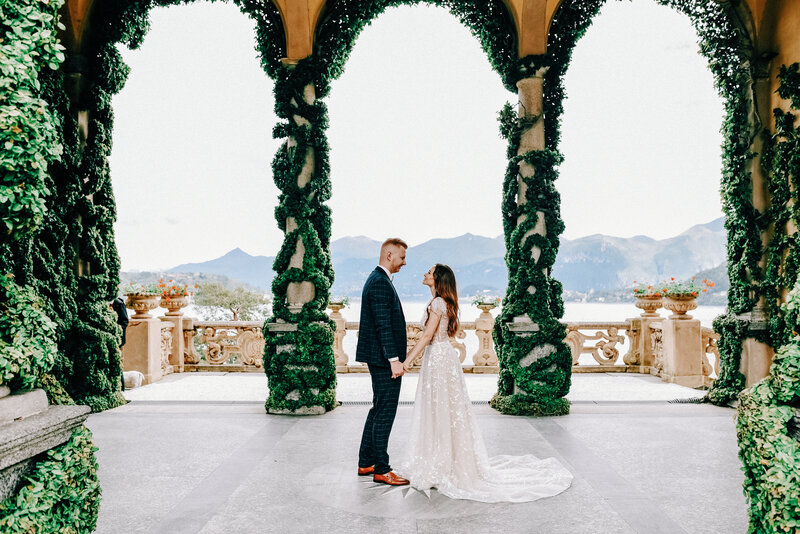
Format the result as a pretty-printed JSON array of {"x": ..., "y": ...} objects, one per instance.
[{"x": 446, "y": 450}]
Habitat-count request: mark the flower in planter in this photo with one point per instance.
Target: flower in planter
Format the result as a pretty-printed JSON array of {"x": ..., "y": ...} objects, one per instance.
[
  {"x": 685, "y": 288},
  {"x": 170, "y": 290},
  {"x": 343, "y": 301},
  {"x": 486, "y": 299},
  {"x": 644, "y": 289},
  {"x": 140, "y": 289}
]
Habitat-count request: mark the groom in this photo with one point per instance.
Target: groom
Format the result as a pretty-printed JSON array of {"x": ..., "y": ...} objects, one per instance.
[{"x": 382, "y": 346}]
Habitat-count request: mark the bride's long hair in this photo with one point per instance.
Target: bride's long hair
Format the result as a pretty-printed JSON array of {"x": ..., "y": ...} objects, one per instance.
[{"x": 444, "y": 284}]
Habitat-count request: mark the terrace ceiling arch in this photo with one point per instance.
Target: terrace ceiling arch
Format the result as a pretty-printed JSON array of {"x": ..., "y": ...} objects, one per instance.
[{"x": 532, "y": 21}]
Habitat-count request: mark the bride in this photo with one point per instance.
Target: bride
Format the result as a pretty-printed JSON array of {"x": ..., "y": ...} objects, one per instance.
[{"x": 445, "y": 450}]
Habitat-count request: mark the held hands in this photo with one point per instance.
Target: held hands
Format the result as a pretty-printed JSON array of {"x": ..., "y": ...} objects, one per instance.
[
  {"x": 407, "y": 365},
  {"x": 397, "y": 368}
]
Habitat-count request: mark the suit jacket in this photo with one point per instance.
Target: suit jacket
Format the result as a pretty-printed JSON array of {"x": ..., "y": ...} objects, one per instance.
[
  {"x": 122, "y": 316},
  {"x": 382, "y": 332}
]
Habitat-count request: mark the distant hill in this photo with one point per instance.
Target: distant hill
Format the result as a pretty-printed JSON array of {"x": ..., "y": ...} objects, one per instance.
[
  {"x": 589, "y": 265},
  {"x": 236, "y": 264},
  {"x": 600, "y": 262}
]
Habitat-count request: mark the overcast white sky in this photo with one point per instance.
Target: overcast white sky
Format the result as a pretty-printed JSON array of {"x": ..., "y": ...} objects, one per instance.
[{"x": 415, "y": 149}]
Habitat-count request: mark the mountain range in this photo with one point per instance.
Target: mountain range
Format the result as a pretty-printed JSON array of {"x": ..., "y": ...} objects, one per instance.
[{"x": 594, "y": 263}]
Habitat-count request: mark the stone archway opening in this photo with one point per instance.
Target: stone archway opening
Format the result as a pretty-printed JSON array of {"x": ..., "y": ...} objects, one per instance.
[
  {"x": 415, "y": 153},
  {"x": 202, "y": 111},
  {"x": 641, "y": 143}
]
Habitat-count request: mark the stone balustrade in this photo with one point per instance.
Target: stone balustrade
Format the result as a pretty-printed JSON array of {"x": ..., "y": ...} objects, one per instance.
[
  {"x": 623, "y": 346},
  {"x": 677, "y": 350}
]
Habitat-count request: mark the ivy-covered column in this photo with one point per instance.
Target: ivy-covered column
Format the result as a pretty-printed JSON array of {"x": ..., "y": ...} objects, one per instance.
[
  {"x": 298, "y": 357},
  {"x": 535, "y": 363}
]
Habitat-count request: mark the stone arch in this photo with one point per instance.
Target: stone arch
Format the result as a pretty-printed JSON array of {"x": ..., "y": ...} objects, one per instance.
[
  {"x": 73, "y": 263},
  {"x": 740, "y": 74},
  {"x": 333, "y": 42}
]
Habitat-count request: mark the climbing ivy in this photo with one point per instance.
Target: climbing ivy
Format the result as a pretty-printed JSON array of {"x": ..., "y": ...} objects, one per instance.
[
  {"x": 536, "y": 367},
  {"x": 771, "y": 457},
  {"x": 300, "y": 364},
  {"x": 28, "y": 45},
  {"x": 27, "y": 349},
  {"x": 61, "y": 493},
  {"x": 781, "y": 161}
]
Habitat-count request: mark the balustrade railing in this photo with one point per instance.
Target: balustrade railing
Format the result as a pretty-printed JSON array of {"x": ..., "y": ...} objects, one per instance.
[
  {"x": 595, "y": 346},
  {"x": 224, "y": 346},
  {"x": 166, "y": 347}
]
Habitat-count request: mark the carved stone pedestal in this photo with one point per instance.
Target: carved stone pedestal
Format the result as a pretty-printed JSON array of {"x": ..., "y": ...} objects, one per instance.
[
  {"x": 279, "y": 330},
  {"x": 683, "y": 352},
  {"x": 142, "y": 350}
]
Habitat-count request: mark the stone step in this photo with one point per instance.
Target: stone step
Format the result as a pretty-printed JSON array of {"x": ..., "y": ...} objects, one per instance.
[
  {"x": 22, "y": 404},
  {"x": 21, "y": 441}
]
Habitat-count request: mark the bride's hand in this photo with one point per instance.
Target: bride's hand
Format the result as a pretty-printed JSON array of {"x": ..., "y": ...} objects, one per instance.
[{"x": 406, "y": 365}]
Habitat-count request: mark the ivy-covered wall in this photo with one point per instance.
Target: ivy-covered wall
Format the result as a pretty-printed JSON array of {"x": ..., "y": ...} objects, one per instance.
[{"x": 771, "y": 457}]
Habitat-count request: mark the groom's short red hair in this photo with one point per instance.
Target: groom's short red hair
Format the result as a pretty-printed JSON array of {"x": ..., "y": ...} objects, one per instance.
[{"x": 395, "y": 242}]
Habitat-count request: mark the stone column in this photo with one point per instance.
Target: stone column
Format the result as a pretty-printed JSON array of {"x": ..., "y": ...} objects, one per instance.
[
  {"x": 756, "y": 361},
  {"x": 756, "y": 357},
  {"x": 298, "y": 354},
  {"x": 535, "y": 363}
]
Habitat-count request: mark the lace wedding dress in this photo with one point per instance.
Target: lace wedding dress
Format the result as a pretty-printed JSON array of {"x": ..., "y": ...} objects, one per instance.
[{"x": 446, "y": 450}]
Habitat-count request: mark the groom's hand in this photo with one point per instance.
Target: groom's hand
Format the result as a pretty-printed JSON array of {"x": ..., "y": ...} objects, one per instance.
[{"x": 397, "y": 368}]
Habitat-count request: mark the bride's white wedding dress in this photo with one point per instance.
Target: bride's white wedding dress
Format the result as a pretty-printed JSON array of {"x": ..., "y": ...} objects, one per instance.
[{"x": 446, "y": 450}]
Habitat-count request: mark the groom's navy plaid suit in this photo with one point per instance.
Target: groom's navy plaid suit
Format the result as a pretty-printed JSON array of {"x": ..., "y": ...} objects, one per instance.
[{"x": 381, "y": 336}]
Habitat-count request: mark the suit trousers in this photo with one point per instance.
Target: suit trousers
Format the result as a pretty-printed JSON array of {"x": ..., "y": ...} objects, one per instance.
[{"x": 375, "y": 438}]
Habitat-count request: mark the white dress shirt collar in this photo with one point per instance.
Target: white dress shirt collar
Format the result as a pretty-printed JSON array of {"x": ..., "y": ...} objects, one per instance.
[{"x": 387, "y": 272}]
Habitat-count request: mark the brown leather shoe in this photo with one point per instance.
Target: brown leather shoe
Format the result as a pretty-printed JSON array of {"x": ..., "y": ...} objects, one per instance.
[
  {"x": 391, "y": 479},
  {"x": 364, "y": 471}
]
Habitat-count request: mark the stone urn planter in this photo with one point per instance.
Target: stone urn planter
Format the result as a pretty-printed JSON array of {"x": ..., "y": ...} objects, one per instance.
[
  {"x": 174, "y": 304},
  {"x": 142, "y": 304},
  {"x": 679, "y": 305},
  {"x": 336, "y": 307},
  {"x": 486, "y": 307},
  {"x": 649, "y": 304}
]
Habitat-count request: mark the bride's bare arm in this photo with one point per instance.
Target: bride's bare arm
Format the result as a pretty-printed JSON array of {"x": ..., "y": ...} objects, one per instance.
[{"x": 427, "y": 335}]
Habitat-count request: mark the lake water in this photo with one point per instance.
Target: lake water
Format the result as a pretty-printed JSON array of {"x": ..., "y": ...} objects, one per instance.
[{"x": 573, "y": 312}]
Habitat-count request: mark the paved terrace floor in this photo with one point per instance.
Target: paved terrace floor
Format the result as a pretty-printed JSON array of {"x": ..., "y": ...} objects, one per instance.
[{"x": 197, "y": 454}]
